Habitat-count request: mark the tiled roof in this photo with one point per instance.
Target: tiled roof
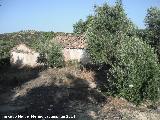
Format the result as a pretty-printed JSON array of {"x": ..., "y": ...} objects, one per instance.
[{"x": 71, "y": 41}]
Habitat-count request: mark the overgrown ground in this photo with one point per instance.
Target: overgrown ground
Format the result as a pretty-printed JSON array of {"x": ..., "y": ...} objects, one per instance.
[{"x": 64, "y": 91}]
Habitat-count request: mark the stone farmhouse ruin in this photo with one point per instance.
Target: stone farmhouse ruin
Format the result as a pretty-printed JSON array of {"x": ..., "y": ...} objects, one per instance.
[
  {"x": 22, "y": 55},
  {"x": 73, "y": 49}
]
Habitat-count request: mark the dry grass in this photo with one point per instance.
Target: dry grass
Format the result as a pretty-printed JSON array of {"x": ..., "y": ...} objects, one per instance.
[
  {"x": 69, "y": 90},
  {"x": 24, "y": 81}
]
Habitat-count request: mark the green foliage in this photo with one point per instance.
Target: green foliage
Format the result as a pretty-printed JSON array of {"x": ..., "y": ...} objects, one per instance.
[
  {"x": 72, "y": 63},
  {"x": 5, "y": 47},
  {"x": 28, "y": 37},
  {"x": 55, "y": 56},
  {"x": 79, "y": 27},
  {"x": 142, "y": 34},
  {"x": 152, "y": 21},
  {"x": 41, "y": 42},
  {"x": 82, "y": 26},
  {"x": 137, "y": 72},
  {"x": 106, "y": 31},
  {"x": 50, "y": 53},
  {"x": 134, "y": 68}
]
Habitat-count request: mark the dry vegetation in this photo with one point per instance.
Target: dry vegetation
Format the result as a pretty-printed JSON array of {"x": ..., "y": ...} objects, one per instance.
[{"x": 63, "y": 91}]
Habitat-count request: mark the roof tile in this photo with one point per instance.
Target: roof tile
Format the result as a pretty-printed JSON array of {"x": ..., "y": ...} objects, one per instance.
[{"x": 71, "y": 41}]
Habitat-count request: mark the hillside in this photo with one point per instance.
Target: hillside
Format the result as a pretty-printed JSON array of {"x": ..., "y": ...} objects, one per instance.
[{"x": 66, "y": 91}]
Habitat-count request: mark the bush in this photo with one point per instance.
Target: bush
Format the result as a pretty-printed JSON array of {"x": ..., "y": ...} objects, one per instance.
[
  {"x": 137, "y": 72},
  {"x": 152, "y": 21},
  {"x": 134, "y": 68},
  {"x": 5, "y": 47},
  {"x": 50, "y": 53},
  {"x": 106, "y": 31},
  {"x": 82, "y": 26},
  {"x": 79, "y": 27},
  {"x": 29, "y": 37},
  {"x": 142, "y": 34},
  {"x": 55, "y": 56},
  {"x": 40, "y": 41},
  {"x": 72, "y": 63}
]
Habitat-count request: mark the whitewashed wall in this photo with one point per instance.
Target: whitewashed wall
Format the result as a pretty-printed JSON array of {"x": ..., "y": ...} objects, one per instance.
[
  {"x": 24, "y": 59},
  {"x": 22, "y": 55},
  {"x": 76, "y": 54}
]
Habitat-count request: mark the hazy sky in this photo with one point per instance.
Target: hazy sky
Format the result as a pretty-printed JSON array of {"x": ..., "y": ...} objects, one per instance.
[{"x": 60, "y": 15}]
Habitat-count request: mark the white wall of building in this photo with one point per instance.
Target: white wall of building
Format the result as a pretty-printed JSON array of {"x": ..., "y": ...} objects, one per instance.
[
  {"x": 22, "y": 58},
  {"x": 76, "y": 54}
]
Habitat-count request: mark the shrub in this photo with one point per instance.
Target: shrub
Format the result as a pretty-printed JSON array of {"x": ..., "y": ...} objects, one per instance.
[
  {"x": 72, "y": 63},
  {"x": 55, "y": 56},
  {"x": 40, "y": 41},
  {"x": 142, "y": 34},
  {"x": 152, "y": 21},
  {"x": 105, "y": 32},
  {"x": 5, "y": 47},
  {"x": 137, "y": 72},
  {"x": 79, "y": 27},
  {"x": 50, "y": 53},
  {"x": 134, "y": 68},
  {"x": 82, "y": 26},
  {"x": 29, "y": 37}
]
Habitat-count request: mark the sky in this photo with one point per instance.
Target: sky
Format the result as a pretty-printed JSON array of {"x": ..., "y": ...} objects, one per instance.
[{"x": 60, "y": 15}]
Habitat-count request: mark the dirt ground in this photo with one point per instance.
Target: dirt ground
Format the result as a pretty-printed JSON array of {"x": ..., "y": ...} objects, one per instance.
[{"x": 63, "y": 92}]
